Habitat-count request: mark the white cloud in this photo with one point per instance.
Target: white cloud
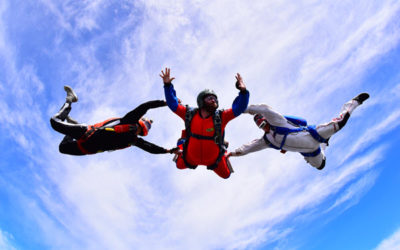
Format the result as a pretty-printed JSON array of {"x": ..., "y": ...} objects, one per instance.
[
  {"x": 5, "y": 241},
  {"x": 392, "y": 242},
  {"x": 375, "y": 133},
  {"x": 356, "y": 190},
  {"x": 131, "y": 199}
]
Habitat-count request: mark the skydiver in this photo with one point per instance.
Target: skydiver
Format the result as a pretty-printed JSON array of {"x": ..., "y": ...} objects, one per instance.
[
  {"x": 112, "y": 134},
  {"x": 288, "y": 133},
  {"x": 204, "y": 126}
]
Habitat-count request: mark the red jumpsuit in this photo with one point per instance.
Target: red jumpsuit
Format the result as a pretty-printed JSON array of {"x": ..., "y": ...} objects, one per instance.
[{"x": 200, "y": 151}]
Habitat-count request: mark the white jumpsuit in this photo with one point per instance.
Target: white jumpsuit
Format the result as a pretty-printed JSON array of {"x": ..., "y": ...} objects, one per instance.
[{"x": 298, "y": 141}]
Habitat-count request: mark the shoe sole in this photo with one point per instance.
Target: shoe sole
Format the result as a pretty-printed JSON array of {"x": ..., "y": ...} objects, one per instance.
[{"x": 361, "y": 97}]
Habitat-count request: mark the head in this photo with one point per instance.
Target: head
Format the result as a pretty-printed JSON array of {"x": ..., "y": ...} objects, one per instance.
[
  {"x": 208, "y": 100},
  {"x": 261, "y": 122},
  {"x": 145, "y": 125}
]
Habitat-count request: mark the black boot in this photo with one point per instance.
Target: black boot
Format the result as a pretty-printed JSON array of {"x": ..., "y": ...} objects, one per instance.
[{"x": 361, "y": 97}]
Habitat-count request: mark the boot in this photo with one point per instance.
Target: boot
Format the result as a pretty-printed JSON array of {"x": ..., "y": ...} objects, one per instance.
[
  {"x": 71, "y": 96},
  {"x": 361, "y": 98}
]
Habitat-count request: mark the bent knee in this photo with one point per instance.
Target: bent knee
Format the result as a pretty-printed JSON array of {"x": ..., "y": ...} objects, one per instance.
[
  {"x": 53, "y": 122},
  {"x": 225, "y": 176},
  {"x": 63, "y": 148}
]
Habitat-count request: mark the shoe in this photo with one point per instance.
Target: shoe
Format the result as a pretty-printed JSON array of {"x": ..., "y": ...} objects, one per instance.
[
  {"x": 70, "y": 120},
  {"x": 71, "y": 96},
  {"x": 361, "y": 97}
]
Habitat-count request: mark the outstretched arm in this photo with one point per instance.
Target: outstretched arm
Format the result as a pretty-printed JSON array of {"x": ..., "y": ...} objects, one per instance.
[
  {"x": 153, "y": 148},
  {"x": 253, "y": 146},
  {"x": 240, "y": 103},
  {"x": 134, "y": 115}
]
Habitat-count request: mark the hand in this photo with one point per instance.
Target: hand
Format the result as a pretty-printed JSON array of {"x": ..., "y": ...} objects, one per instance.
[
  {"x": 239, "y": 83},
  {"x": 166, "y": 77},
  {"x": 176, "y": 150},
  {"x": 162, "y": 102},
  {"x": 233, "y": 154}
]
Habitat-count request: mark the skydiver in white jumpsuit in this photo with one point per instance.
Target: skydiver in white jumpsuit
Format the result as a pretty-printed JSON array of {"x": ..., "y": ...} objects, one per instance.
[{"x": 287, "y": 133}]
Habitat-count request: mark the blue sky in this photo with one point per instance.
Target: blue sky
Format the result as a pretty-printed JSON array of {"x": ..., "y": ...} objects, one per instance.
[{"x": 305, "y": 58}]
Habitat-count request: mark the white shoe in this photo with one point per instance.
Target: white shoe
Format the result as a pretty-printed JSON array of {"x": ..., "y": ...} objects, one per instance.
[{"x": 71, "y": 96}]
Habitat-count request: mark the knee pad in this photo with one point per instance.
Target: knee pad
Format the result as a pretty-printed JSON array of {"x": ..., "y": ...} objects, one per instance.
[
  {"x": 344, "y": 120},
  {"x": 322, "y": 164}
]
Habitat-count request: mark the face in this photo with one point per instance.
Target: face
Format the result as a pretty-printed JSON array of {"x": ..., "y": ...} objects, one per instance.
[
  {"x": 210, "y": 103},
  {"x": 139, "y": 130},
  {"x": 266, "y": 128}
]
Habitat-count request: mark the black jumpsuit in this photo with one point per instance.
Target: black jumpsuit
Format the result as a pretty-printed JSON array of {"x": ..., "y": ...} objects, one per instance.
[{"x": 101, "y": 139}]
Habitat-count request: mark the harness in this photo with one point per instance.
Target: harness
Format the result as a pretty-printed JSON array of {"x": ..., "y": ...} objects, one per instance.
[
  {"x": 302, "y": 126},
  {"x": 218, "y": 136},
  {"x": 120, "y": 128}
]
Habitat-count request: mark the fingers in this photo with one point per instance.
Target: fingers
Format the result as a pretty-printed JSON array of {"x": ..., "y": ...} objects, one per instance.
[
  {"x": 238, "y": 76},
  {"x": 165, "y": 74}
]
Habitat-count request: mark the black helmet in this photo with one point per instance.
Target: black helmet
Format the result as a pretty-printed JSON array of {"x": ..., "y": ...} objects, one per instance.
[{"x": 204, "y": 93}]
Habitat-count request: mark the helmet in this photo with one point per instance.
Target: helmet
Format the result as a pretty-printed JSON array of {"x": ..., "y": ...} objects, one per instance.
[
  {"x": 260, "y": 120},
  {"x": 146, "y": 125},
  {"x": 202, "y": 95}
]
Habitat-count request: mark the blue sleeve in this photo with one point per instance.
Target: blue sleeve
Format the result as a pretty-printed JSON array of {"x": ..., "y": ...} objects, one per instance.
[
  {"x": 170, "y": 97},
  {"x": 240, "y": 103}
]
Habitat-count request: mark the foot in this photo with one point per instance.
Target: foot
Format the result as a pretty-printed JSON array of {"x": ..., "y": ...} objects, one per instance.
[
  {"x": 71, "y": 96},
  {"x": 361, "y": 97}
]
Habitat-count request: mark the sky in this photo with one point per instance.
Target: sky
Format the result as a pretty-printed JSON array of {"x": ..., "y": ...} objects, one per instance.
[{"x": 304, "y": 58}]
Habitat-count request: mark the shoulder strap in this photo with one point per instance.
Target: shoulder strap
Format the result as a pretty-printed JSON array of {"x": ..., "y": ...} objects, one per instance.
[
  {"x": 218, "y": 137},
  {"x": 190, "y": 112}
]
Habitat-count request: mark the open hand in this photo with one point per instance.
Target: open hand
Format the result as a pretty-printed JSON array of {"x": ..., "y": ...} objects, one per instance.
[{"x": 166, "y": 76}]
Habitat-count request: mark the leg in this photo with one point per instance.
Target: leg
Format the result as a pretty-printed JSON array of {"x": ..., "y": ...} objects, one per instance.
[
  {"x": 223, "y": 170},
  {"x": 180, "y": 163},
  {"x": 317, "y": 161},
  {"x": 328, "y": 129},
  {"x": 58, "y": 123},
  {"x": 69, "y": 146}
]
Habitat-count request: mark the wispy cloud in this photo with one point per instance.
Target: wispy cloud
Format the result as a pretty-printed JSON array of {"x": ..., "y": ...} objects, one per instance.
[
  {"x": 374, "y": 134},
  {"x": 5, "y": 241},
  {"x": 356, "y": 190},
  {"x": 392, "y": 242}
]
